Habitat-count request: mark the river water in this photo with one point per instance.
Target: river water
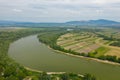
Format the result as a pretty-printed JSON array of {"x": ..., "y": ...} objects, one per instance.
[{"x": 28, "y": 51}]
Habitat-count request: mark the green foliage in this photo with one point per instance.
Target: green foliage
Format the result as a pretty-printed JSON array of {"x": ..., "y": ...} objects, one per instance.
[
  {"x": 115, "y": 44},
  {"x": 106, "y": 37},
  {"x": 2, "y": 78},
  {"x": 50, "y": 38},
  {"x": 65, "y": 76},
  {"x": 12, "y": 77},
  {"x": 44, "y": 76},
  {"x": 88, "y": 77},
  {"x": 110, "y": 58},
  {"x": 118, "y": 60},
  {"x": 98, "y": 52}
]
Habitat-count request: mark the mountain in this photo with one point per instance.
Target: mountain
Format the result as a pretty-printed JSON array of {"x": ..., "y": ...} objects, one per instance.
[
  {"x": 6, "y": 22},
  {"x": 100, "y": 22},
  {"x": 14, "y": 22},
  {"x": 94, "y": 22}
]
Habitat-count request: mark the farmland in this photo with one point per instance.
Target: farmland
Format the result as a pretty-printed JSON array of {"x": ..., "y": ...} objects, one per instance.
[{"x": 91, "y": 42}]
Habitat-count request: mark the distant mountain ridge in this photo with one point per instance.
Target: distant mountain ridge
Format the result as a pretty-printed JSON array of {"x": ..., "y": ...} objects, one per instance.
[
  {"x": 100, "y": 22},
  {"x": 94, "y": 22}
]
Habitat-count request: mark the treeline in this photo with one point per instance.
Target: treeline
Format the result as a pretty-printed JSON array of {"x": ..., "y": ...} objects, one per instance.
[
  {"x": 50, "y": 38},
  {"x": 110, "y": 58},
  {"x": 103, "y": 57},
  {"x": 115, "y": 44},
  {"x": 66, "y": 76},
  {"x": 92, "y": 55},
  {"x": 106, "y": 37},
  {"x": 72, "y": 76}
]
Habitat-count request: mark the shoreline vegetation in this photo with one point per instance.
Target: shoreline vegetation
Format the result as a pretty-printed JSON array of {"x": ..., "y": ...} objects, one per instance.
[
  {"x": 10, "y": 70},
  {"x": 88, "y": 58},
  {"x": 52, "y": 43}
]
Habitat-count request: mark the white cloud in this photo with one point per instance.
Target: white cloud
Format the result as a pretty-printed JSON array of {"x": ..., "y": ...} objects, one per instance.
[
  {"x": 17, "y": 10},
  {"x": 38, "y": 10},
  {"x": 99, "y": 11},
  {"x": 100, "y": 2}
]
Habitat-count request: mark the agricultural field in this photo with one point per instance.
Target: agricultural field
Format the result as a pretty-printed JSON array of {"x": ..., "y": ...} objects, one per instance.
[{"x": 92, "y": 43}]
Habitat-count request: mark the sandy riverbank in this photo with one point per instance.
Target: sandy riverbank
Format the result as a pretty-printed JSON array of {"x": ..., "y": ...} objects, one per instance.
[{"x": 42, "y": 71}]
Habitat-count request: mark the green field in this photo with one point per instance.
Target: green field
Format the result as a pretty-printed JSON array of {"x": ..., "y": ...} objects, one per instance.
[{"x": 91, "y": 42}]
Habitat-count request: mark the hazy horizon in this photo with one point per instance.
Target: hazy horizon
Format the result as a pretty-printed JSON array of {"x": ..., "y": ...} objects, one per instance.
[
  {"x": 59, "y": 10},
  {"x": 56, "y": 22}
]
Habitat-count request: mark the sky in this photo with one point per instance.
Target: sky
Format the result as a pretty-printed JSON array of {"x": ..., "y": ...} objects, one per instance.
[{"x": 59, "y": 10}]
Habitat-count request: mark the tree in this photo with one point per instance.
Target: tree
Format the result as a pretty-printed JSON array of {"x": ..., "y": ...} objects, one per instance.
[
  {"x": 65, "y": 76},
  {"x": 44, "y": 76},
  {"x": 2, "y": 78},
  {"x": 118, "y": 60},
  {"x": 1, "y": 71},
  {"x": 88, "y": 77},
  {"x": 11, "y": 77}
]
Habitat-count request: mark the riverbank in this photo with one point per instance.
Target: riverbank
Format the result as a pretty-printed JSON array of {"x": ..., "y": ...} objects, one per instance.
[
  {"x": 34, "y": 70},
  {"x": 50, "y": 73},
  {"x": 88, "y": 58}
]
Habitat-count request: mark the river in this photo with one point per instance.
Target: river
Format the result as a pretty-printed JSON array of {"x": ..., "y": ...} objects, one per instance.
[{"x": 28, "y": 51}]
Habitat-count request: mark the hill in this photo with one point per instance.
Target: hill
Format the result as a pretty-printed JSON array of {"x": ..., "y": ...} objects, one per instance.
[
  {"x": 94, "y": 22},
  {"x": 100, "y": 22}
]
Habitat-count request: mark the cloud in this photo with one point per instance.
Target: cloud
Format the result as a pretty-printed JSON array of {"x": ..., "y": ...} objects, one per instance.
[
  {"x": 100, "y": 2},
  {"x": 17, "y": 10},
  {"x": 61, "y": 10}
]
